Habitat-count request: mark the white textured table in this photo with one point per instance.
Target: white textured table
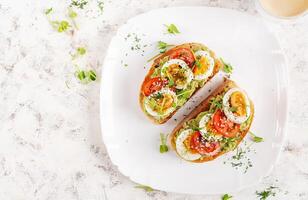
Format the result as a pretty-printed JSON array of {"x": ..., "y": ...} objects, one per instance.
[{"x": 50, "y": 140}]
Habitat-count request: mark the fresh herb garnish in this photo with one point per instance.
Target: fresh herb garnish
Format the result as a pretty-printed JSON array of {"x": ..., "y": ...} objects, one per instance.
[
  {"x": 145, "y": 187},
  {"x": 266, "y": 193},
  {"x": 172, "y": 29},
  {"x": 185, "y": 94},
  {"x": 60, "y": 26},
  {"x": 245, "y": 125},
  {"x": 240, "y": 160},
  {"x": 162, "y": 46},
  {"x": 85, "y": 76},
  {"x": 163, "y": 143},
  {"x": 171, "y": 82},
  {"x": 48, "y": 11},
  {"x": 255, "y": 138},
  {"x": 100, "y": 5},
  {"x": 72, "y": 15},
  {"x": 233, "y": 109},
  {"x": 227, "y": 67},
  {"x": 226, "y": 197},
  {"x": 215, "y": 103},
  {"x": 80, "y": 51},
  {"x": 198, "y": 64},
  {"x": 228, "y": 144},
  {"x": 158, "y": 95},
  {"x": 79, "y": 3}
]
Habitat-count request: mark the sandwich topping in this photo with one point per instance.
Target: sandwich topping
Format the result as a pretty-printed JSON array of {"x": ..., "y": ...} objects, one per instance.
[
  {"x": 174, "y": 79},
  {"x": 177, "y": 72},
  {"x": 161, "y": 103},
  {"x": 204, "y": 65},
  {"x": 236, "y": 105},
  {"x": 217, "y": 130}
]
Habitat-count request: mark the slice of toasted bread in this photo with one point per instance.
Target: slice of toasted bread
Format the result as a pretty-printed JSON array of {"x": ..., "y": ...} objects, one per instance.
[
  {"x": 205, "y": 106},
  {"x": 192, "y": 47}
]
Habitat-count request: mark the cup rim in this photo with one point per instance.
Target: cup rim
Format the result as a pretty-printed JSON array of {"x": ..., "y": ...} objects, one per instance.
[{"x": 264, "y": 12}]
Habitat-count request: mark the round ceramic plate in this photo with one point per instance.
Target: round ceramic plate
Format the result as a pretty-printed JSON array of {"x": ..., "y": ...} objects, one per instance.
[{"x": 132, "y": 140}]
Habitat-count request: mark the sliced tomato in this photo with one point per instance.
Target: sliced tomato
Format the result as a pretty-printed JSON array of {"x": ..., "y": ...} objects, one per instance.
[
  {"x": 184, "y": 54},
  {"x": 224, "y": 126},
  {"x": 232, "y": 131},
  {"x": 152, "y": 85},
  {"x": 202, "y": 146}
]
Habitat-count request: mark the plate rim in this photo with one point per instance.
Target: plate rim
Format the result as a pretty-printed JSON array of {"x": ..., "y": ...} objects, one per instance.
[{"x": 283, "y": 86}]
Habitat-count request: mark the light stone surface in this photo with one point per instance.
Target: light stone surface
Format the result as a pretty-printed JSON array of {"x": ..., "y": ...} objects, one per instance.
[{"x": 50, "y": 138}]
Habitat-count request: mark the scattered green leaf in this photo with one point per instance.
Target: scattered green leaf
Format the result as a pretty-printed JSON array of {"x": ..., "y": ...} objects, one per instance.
[
  {"x": 48, "y": 11},
  {"x": 163, "y": 143},
  {"x": 72, "y": 14},
  {"x": 81, "y": 51},
  {"x": 172, "y": 29},
  {"x": 266, "y": 193},
  {"x": 162, "y": 46},
  {"x": 226, "y": 197},
  {"x": 255, "y": 138},
  {"x": 144, "y": 187},
  {"x": 85, "y": 76},
  {"x": 227, "y": 67},
  {"x": 79, "y": 3},
  {"x": 92, "y": 75},
  {"x": 100, "y": 5},
  {"x": 60, "y": 26}
]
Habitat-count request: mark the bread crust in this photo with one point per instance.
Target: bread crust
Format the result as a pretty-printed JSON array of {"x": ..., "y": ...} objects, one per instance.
[
  {"x": 204, "y": 106},
  {"x": 218, "y": 65}
]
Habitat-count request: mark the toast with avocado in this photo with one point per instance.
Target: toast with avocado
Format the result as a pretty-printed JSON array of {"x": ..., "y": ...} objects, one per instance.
[
  {"x": 174, "y": 77},
  {"x": 217, "y": 125}
]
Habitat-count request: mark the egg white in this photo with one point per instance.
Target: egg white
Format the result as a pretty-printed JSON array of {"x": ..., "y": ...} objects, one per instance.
[
  {"x": 202, "y": 123},
  {"x": 154, "y": 113},
  {"x": 210, "y": 69},
  {"x": 188, "y": 73},
  {"x": 226, "y": 106},
  {"x": 181, "y": 148}
]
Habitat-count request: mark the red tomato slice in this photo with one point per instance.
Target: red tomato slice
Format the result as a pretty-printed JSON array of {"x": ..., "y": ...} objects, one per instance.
[
  {"x": 184, "y": 54},
  {"x": 152, "y": 85},
  {"x": 224, "y": 126},
  {"x": 202, "y": 146},
  {"x": 220, "y": 122}
]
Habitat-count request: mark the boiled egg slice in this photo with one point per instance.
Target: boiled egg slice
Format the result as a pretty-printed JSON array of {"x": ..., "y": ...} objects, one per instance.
[
  {"x": 181, "y": 148},
  {"x": 236, "y": 105},
  {"x": 161, "y": 103},
  {"x": 204, "y": 65},
  {"x": 178, "y": 72},
  {"x": 203, "y": 123}
]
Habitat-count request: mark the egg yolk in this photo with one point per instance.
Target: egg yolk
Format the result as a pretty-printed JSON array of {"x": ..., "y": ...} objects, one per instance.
[
  {"x": 201, "y": 66},
  {"x": 177, "y": 74},
  {"x": 187, "y": 143},
  {"x": 165, "y": 102},
  {"x": 237, "y": 101}
]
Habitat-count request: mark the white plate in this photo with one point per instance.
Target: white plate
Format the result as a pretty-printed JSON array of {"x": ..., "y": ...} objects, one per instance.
[{"x": 132, "y": 140}]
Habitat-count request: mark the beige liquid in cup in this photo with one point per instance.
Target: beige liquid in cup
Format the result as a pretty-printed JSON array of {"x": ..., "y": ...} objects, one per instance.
[{"x": 285, "y": 8}]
